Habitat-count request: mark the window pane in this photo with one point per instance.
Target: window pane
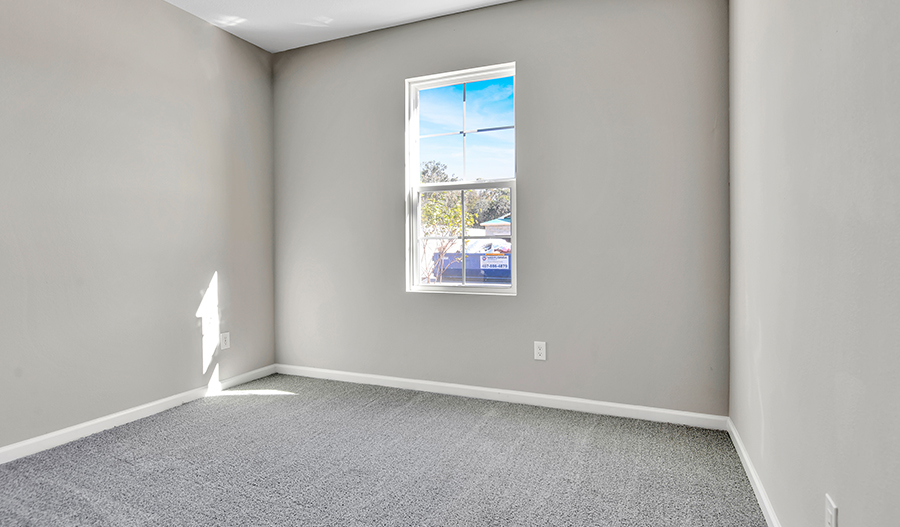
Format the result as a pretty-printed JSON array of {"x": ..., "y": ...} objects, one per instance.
[
  {"x": 440, "y": 261},
  {"x": 491, "y": 155},
  {"x": 488, "y": 212},
  {"x": 490, "y": 104},
  {"x": 440, "y": 214},
  {"x": 441, "y": 110},
  {"x": 441, "y": 158},
  {"x": 488, "y": 261}
]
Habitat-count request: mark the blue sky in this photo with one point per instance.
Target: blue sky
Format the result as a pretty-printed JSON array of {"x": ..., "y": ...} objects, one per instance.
[{"x": 488, "y": 155}]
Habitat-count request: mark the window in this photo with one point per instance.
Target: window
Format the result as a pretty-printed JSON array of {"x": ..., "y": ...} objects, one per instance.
[{"x": 461, "y": 181}]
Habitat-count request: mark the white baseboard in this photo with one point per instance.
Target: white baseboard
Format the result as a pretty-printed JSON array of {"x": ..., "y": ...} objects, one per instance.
[
  {"x": 715, "y": 422},
  {"x": 761, "y": 496},
  {"x": 647, "y": 413},
  {"x": 59, "y": 437}
]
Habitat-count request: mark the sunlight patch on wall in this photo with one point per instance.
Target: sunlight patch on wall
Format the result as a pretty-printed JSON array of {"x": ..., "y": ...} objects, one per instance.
[
  {"x": 208, "y": 313},
  {"x": 214, "y": 386}
]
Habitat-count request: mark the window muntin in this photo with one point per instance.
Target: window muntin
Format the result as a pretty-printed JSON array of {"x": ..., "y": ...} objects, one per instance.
[{"x": 461, "y": 181}]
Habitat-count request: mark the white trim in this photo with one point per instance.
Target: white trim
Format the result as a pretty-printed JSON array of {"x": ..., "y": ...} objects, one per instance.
[
  {"x": 647, "y": 413},
  {"x": 59, "y": 437},
  {"x": 761, "y": 496}
]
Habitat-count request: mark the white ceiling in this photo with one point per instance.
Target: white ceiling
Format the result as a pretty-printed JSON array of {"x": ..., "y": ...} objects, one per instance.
[{"x": 277, "y": 25}]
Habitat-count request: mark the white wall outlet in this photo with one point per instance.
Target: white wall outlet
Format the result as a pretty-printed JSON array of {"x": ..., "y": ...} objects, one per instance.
[
  {"x": 224, "y": 340},
  {"x": 830, "y": 512},
  {"x": 540, "y": 350}
]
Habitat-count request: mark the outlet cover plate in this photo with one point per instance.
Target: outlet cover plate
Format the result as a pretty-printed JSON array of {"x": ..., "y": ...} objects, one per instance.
[
  {"x": 225, "y": 340},
  {"x": 540, "y": 350}
]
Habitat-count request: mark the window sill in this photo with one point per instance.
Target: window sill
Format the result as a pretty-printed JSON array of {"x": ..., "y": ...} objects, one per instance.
[{"x": 464, "y": 290}]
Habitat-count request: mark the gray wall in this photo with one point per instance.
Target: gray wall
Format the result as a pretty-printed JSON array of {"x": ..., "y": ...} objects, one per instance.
[
  {"x": 135, "y": 161},
  {"x": 815, "y": 312},
  {"x": 622, "y": 124}
]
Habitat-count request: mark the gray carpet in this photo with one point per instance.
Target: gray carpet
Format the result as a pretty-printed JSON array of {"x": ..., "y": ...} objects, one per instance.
[{"x": 341, "y": 454}]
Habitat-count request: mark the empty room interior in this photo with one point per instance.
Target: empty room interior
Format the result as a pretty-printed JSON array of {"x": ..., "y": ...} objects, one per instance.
[{"x": 707, "y": 210}]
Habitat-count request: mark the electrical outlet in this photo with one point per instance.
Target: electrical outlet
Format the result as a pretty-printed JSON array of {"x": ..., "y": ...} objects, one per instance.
[
  {"x": 225, "y": 341},
  {"x": 540, "y": 350},
  {"x": 830, "y": 512}
]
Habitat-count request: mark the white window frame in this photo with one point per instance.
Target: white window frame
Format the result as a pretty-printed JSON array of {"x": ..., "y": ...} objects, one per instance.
[{"x": 414, "y": 185}]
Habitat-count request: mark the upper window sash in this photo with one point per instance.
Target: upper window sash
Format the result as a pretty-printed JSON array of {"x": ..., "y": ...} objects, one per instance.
[{"x": 425, "y": 82}]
